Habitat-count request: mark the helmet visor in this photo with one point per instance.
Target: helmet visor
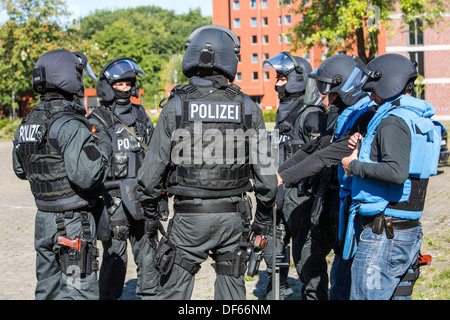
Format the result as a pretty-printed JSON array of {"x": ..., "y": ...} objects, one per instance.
[
  {"x": 118, "y": 68},
  {"x": 282, "y": 63},
  {"x": 313, "y": 96},
  {"x": 356, "y": 80},
  {"x": 87, "y": 70}
]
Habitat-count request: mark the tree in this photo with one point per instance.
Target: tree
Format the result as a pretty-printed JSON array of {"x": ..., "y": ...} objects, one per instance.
[
  {"x": 148, "y": 34},
  {"x": 341, "y": 25},
  {"x": 34, "y": 27}
]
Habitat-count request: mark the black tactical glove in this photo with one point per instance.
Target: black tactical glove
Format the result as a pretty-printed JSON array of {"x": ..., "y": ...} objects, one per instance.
[
  {"x": 103, "y": 140},
  {"x": 261, "y": 223},
  {"x": 163, "y": 207},
  {"x": 151, "y": 230}
]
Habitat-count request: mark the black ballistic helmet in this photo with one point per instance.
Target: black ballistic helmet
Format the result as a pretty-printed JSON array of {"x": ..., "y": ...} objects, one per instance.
[
  {"x": 392, "y": 73},
  {"x": 295, "y": 69},
  {"x": 338, "y": 74},
  {"x": 211, "y": 48},
  {"x": 120, "y": 69},
  {"x": 61, "y": 70}
]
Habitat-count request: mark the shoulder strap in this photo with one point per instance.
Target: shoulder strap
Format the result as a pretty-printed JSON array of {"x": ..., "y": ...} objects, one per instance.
[{"x": 55, "y": 125}]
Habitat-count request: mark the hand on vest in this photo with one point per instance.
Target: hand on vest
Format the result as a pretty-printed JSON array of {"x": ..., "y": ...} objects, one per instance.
[
  {"x": 103, "y": 140},
  {"x": 346, "y": 161}
]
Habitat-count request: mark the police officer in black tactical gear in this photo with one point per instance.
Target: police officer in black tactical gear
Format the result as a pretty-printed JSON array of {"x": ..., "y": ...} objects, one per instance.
[
  {"x": 65, "y": 164},
  {"x": 201, "y": 151},
  {"x": 297, "y": 124},
  {"x": 339, "y": 79},
  {"x": 130, "y": 128}
]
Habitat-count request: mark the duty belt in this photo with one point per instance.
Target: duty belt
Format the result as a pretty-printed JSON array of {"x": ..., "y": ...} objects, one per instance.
[
  {"x": 380, "y": 223},
  {"x": 209, "y": 208}
]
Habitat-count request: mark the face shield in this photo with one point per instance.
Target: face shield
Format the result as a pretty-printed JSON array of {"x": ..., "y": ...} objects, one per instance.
[
  {"x": 356, "y": 80},
  {"x": 120, "y": 67},
  {"x": 283, "y": 63},
  {"x": 84, "y": 65},
  {"x": 323, "y": 86},
  {"x": 313, "y": 95}
]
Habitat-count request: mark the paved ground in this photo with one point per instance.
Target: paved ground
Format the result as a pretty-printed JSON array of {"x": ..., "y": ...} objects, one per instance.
[{"x": 17, "y": 256}]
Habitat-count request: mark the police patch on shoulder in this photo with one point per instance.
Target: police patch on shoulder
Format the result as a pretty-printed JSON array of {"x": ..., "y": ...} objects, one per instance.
[{"x": 210, "y": 111}]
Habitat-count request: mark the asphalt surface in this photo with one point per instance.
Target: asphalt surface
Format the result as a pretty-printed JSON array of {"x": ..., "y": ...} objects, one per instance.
[{"x": 17, "y": 255}]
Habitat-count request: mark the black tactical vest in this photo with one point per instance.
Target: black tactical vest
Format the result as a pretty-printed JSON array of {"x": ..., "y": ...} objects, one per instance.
[
  {"x": 42, "y": 160},
  {"x": 128, "y": 153},
  {"x": 210, "y": 151},
  {"x": 290, "y": 138}
]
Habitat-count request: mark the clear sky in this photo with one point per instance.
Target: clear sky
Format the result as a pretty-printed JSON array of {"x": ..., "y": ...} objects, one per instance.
[{"x": 84, "y": 7}]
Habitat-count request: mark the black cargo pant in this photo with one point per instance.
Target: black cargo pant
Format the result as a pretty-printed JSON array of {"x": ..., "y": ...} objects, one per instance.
[
  {"x": 52, "y": 283},
  {"x": 115, "y": 258},
  {"x": 196, "y": 235}
]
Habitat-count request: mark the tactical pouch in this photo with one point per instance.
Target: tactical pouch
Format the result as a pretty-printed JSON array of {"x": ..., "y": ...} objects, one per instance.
[
  {"x": 164, "y": 256},
  {"x": 128, "y": 194},
  {"x": 120, "y": 165},
  {"x": 83, "y": 261}
]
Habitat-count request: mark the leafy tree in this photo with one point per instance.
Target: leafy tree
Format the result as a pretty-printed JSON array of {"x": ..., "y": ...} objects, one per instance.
[
  {"x": 344, "y": 24},
  {"x": 33, "y": 28}
]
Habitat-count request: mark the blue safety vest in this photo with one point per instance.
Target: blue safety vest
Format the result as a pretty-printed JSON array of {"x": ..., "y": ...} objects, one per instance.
[
  {"x": 370, "y": 197},
  {"x": 345, "y": 122}
]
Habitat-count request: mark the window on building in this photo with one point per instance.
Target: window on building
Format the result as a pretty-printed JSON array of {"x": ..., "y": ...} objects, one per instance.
[
  {"x": 254, "y": 58},
  {"x": 254, "y": 40},
  {"x": 253, "y": 22},
  {"x": 237, "y": 23},
  {"x": 238, "y": 76},
  {"x": 284, "y": 2},
  {"x": 264, "y": 4},
  {"x": 255, "y": 76},
  {"x": 280, "y": 20},
  {"x": 265, "y": 56},
  {"x": 415, "y": 31},
  {"x": 236, "y": 5},
  {"x": 287, "y": 38},
  {"x": 287, "y": 19},
  {"x": 418, "y": 56},
  {"x": 238, "y": 56},
  {"x": 265, "y": 39},
  {"x": 280, "y": 39},
  {"x": 252, "y": 4},
  {"x": 266, "y": 76},
  {"x": 265, "y": 21}
]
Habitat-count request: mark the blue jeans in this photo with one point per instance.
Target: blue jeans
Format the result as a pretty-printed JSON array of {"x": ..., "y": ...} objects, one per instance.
[
  {"x": 380, "y": 263},
  {"x": 340, "y": 278}
]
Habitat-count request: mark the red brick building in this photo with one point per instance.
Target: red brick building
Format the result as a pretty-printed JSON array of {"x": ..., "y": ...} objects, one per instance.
[
  {"x": 263, "y": 28},
  {"x": 431, "y": 49}
]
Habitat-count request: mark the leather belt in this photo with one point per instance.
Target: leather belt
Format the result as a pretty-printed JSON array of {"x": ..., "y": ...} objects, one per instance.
[
  {"x": 208, "y": 208},
  {"x": 397, "y": 223}
]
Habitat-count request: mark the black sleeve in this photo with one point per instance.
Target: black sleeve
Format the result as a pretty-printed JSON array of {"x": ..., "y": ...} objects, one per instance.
[
  {"x": 316, "y": 162},
  {"x": 390, "y": 152}
]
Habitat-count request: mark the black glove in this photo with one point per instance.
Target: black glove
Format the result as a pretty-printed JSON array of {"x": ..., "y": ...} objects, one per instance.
[
  {"x": 163, "y": 208},
  {"x": 103, "y": 140},
  {"x": 151, "y": 230},
  {"x": 151, "y": 210},
  {"x": 261, "y": 223}
]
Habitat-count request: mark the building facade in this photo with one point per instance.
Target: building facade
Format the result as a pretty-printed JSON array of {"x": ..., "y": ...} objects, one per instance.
[
  {"x": 263, "y": 28},
  {"x": 430, "y": 48}
]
